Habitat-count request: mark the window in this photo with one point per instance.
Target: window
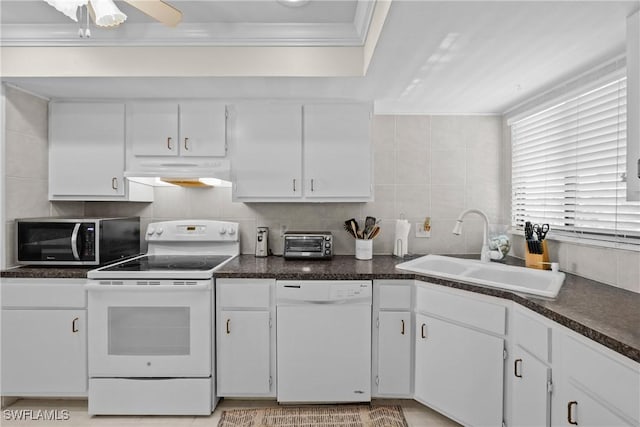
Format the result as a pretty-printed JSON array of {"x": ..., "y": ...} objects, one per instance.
[{"x": 569, "y": 164}]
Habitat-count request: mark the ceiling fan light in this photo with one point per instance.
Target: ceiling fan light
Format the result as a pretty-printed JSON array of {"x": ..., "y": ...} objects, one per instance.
[
  {"x": 68, "y": 7},
  {"x": 107, "y": 13}
]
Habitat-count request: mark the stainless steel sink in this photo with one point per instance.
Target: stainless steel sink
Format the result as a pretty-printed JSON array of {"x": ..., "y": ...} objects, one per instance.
[{"x": 518, "y": 279}]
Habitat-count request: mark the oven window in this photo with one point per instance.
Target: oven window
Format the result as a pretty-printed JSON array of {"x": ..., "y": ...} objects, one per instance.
[{"x": 149, "y": 331}]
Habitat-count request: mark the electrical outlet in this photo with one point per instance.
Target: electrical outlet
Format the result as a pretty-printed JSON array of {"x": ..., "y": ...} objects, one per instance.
[
  {"x": 423, "y": 229},
  {"x": 283, "y": 229},
  {"x": 421, "y": 232}
]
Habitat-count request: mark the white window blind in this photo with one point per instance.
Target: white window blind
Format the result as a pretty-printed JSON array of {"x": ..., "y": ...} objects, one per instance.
[{"x": 569, "y": 163}]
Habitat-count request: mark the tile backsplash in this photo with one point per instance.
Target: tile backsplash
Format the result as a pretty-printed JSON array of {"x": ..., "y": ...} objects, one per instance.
[
  {"x": 424, "y": 165},
  {"x": 432, "y": 166}
]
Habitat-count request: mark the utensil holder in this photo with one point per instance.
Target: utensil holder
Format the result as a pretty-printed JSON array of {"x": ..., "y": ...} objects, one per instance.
[
  {"x": 364, "y": 249},
  {"x": 537, "y": 260}
]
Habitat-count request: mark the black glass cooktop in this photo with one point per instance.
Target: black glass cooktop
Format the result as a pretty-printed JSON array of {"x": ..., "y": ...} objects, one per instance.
[{"x": 170, "y": 263}]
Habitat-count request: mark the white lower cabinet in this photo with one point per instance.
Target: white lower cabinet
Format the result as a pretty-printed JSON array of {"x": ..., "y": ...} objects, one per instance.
[
  {"x": 245, "y": 338},
  {"x": 394, "y": 353},
  {"x": 392, "y": 339},
  {"x": 531, "y": 391},
  {"x": 459, "y": 371},
  {"x": 243, "y": 355},
  {"x": 44, "y": 343},
  {"x": 598, "y": 387}
]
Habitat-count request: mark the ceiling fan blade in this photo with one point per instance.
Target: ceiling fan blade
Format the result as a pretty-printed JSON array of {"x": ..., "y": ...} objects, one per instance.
[{"x": 158, "y": 10}]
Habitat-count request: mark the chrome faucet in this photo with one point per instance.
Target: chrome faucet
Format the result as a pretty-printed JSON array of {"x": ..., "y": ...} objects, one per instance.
[{"x": 486, "y": 254}]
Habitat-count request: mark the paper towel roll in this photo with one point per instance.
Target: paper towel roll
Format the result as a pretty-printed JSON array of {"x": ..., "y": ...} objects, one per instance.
[{"x": 401, "y": 241}]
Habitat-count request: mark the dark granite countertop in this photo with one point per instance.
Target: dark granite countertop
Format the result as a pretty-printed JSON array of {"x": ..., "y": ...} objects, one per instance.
[
  {"x": 31, "y": 272},
  {"x": 603, "y": 313}
]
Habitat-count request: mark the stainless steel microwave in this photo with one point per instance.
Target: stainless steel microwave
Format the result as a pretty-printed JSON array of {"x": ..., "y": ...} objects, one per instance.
[
  {"x": 76, "y": 241},
  {"x": 308, "y": 244}
]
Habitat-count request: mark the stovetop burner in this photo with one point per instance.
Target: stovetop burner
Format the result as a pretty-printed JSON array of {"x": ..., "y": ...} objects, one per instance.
[{"x": 170, "y": 263}]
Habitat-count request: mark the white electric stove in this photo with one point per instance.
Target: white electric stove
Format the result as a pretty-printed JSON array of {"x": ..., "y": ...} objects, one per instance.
[{"x": 151, "y": 346}]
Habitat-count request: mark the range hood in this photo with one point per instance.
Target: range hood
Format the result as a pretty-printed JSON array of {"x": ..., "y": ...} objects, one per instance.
[{"x": 181, "y": 169}]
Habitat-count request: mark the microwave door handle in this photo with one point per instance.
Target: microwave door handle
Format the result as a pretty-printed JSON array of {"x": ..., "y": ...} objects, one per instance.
[{"x": 74, "y": 241}]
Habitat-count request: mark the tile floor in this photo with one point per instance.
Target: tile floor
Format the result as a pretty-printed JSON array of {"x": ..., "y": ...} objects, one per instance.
[{"x": 415, "y": 414}]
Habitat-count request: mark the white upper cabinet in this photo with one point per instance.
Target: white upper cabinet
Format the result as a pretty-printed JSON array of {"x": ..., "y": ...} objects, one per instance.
[
  {"x": 266, "y": 151},
  {"x": 337, "y": 160},
  {"x": 169, "y": 128},
  {"x": 292, "y": 152},
  {"x": 87, "y": 153},
  {"x": 202, "y": 129}
]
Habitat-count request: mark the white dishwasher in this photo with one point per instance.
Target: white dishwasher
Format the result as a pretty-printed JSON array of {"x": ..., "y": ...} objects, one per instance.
[{"x": 323, "y": 341}]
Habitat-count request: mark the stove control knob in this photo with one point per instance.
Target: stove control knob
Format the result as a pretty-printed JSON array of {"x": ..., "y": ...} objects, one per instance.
[
  {"x": 150, "y": 231},
  {"x": 159, "y": 231},
  {"x": 223, "y": 230},
  {"x": 232, "y": 231}
]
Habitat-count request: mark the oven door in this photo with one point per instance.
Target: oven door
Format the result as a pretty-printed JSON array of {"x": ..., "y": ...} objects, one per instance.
[{"x": 150, "y": 330}]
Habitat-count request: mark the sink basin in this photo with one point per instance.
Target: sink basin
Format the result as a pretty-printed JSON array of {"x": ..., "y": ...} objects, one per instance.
[{"x": 518, "y": 279}]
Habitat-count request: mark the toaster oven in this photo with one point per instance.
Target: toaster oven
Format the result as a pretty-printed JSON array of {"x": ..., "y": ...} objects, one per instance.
[{"x": 308, "y": 245}]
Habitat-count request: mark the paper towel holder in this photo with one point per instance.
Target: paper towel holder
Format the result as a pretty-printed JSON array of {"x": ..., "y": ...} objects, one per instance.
[{"x": 399, "y": 249}]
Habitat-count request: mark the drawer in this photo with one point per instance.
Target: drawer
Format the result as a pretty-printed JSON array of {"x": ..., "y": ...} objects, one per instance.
[
  {"x": 462, "y": 309},
  {"x": 244, "y": 293},
  {"x": 533, "y": 335},
  {"x": 43, "y": 293},
  {"x": 597, "y": 369},
  {"x": 394, "y": 296}
]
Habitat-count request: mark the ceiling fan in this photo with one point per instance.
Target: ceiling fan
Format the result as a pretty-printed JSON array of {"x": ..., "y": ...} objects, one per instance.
[{"x": 106, "y": 14}]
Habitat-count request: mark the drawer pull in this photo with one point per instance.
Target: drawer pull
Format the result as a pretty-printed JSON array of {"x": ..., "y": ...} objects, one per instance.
[
  {"x": 169, "y": 146},
  {"x": 74, "y": 325},
  {"x": 423, "y": 331},
  {"x": 228, "y": 326},
  {"x": 570, "y": 417},
  {"x": 402, "y": 331},
  {"x": 516, "y": 364},
  {"x": 294, "y": 185},
  {"x": 186, "y": 144},
  {"x": 114, "y": 183}
]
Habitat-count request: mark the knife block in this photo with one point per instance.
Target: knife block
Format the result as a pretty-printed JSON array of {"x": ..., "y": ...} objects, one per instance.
[{"x": 537, "y": 260}]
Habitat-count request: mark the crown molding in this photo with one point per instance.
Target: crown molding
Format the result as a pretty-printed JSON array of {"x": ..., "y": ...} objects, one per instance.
[{"x": 216, "y": 34}]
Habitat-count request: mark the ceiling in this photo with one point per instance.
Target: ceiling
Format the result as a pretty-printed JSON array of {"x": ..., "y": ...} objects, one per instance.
[{"x": 456, "y": 57}]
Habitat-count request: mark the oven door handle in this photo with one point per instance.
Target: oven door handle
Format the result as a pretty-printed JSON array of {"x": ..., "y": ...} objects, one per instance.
[
  {"x": 74, "y": 241},
  {"x": 147, "y": 288}
]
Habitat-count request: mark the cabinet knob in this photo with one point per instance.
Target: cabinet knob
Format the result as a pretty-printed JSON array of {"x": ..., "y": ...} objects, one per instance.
[
  {"x": 570, "y": 417},
  {"x": 517, "y": 363},
  {"x": 114, "y": 183},
  {"x": 74, "y": 325},
  {"x": 169, "y": 145}
]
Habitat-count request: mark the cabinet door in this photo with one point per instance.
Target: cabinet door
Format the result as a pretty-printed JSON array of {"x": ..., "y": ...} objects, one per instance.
[
  {"x": 153, "y": 128},
  {"x": 531, "y": 398},
  {"x": 44, "y": 351},
  {"x": 202, "y": 128},
  {"x": 583, "y": 410},
  {"x": 337, "y": 150},
  {"x": 267, "y": 152},
  {"x": 86, "y": 149},
  {"x": 244, "y": 354},
  {"x": 394, "y": 353},
  {"x": 459, "y": 372}
]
